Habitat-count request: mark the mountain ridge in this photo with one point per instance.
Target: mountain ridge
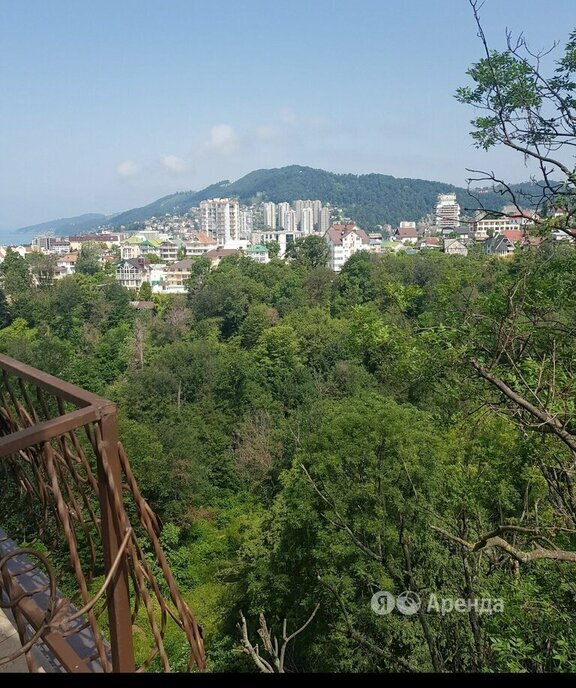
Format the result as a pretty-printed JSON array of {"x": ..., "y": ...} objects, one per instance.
[{"x": 369, "y": 199}]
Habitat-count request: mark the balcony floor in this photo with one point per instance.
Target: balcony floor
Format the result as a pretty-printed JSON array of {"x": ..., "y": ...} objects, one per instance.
[{"x": 9, "y": 643}]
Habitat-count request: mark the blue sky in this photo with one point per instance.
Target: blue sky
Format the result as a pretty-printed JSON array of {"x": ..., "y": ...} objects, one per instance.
[{"x": 108, "y": 105}]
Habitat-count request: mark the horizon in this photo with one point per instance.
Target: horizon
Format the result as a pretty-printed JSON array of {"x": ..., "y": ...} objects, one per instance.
[{"x": 109, "y": 108}]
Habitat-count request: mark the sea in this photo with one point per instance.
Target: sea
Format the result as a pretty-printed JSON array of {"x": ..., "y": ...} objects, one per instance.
[{"x": 11, "y": 237}]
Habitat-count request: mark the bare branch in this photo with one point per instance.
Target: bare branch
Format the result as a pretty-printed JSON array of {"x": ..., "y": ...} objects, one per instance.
[
  {"x": 272, "y": 647},
  {"x": 493, "y": 539}
]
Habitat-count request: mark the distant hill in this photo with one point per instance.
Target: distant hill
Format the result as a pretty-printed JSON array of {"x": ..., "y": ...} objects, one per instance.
[
  {"x": 67, "y": 225},
  {"x": 369, "y": 199}
]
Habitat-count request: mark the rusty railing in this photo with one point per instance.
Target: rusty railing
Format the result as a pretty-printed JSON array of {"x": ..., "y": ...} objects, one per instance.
[{"x": 84, "y": 575}]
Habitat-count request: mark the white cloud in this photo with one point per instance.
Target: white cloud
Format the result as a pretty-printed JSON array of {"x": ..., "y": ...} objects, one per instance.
[
  {"x": 266, "y": 132},
  {"x": 128, "y": 168},
  {"x": 223, "y": 139},
  {"x": 174, "y": 164}
]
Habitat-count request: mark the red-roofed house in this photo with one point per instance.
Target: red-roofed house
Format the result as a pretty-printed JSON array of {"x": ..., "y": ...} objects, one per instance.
[
  {"x": 216, "y": 255},
  {"x": 200, "y": 244},
  {"x": 429, "y": 242},
  {"x": 343, "y": 242},
  {"x": 67, "y": 264},
  {"x": 514, "y": 235},
  {"x": 407, "y": 235}
]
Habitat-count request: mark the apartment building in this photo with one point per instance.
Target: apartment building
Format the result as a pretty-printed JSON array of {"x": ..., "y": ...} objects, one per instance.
[
  {"x": 220, "y": 219},
  {"x": 447, "y": 211}
]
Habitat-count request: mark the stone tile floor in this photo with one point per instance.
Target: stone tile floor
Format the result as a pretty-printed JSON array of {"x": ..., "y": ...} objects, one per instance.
[{"x": 9, "y": 643}]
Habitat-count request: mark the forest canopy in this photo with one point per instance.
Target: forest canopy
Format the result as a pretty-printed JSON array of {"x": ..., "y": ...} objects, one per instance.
[{"x": 310, "y": 438}]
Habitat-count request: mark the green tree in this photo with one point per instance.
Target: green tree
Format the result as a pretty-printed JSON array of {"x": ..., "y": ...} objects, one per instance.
[
  {"x": 273, "y": 249},
  {"x": 15, "y": 274},
  {"x": 308, "y": 252},
  {"x": 199, "y": 270},
  {"x": 88, "y": 262},
  {"x": 42, "y": 267},
  {"x": 5, "y": 317},
  {"x": 145, "y": 292},
  {"x": 530, "y": 112},
  {"x": 259, "y": 318}
]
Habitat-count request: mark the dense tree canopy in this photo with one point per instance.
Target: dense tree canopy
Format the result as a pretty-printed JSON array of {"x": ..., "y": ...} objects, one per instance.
[{"x": 310, "y": 438}]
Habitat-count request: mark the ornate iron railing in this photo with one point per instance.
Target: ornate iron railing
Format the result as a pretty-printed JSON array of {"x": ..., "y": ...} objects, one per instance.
[{"x": 85, "y": 574}]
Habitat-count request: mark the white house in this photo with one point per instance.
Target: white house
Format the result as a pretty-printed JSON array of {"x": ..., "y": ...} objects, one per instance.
[
  {"x": 344, "y": 240},
  {"x": 67, "y": 264},
  {"x": 199, "y": 245},
  {"x": 131, "y": 273},
  {"x": 455, "y": 247},
  {"x": 258, "y": 253}
]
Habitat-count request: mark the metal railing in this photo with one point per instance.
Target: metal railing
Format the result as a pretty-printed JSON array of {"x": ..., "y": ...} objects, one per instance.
[{"x": 88, "y": 574}]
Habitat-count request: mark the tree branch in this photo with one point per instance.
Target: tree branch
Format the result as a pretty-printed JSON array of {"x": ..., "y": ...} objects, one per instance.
[
  {"x": 493, "y": 539},
  {"x": 543, "y": 416}
]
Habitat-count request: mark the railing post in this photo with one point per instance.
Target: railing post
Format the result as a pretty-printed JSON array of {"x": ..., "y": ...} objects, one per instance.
[{"x": 118, "y": 592}]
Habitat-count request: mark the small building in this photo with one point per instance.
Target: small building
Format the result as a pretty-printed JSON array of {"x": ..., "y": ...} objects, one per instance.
[
  {"x": 104, "y": 240},
  {"x": 67, "y": 264},
  {"x": 167, "y": 251},
  {"x": 176, "y": 274},
  {"x": 344, "y": 240},
  {"x": 498, "y": 245},
  {"x": 282, "y": 237},
  {"x": 515, "y": 236},
  {"x": 136, "y": 247},
  {"x": 132, "y": 273},
  {"x": 455, "y": 247},
  {"x": 407, "y": 235},
  {"x": 61, "y": 247},
  {"x": 462, "y": 232},
  {"x": 429, "y": 242},
  {"x": 217, "y": 254},
  {"x": 199, "y": 245},
  {"x": 258, "y": 253},
  {"x": 488, "y": 225}
]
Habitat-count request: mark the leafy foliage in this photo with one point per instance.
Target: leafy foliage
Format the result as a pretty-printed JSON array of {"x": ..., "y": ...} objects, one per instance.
[{"x": 311, "y": 438}]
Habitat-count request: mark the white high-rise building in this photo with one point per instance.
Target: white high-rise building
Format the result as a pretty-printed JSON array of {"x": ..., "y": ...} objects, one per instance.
[
  {"x": 289, "y": 221},
  {"x": 245, "y": 222},
  {"x": 324, "y": 221},
  {"x": 220, "y": 219},
  {"x": 298, "y": 206},
  {"x": 283, "y": 208},
  {"x": 316, "y": 209},
  {"x": 269, "y": 210},
  {"x": 306, "y": 221},
  {"x": 447, "y": 211}
]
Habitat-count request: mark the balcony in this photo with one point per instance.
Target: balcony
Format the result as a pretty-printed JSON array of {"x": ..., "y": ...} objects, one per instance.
[{"x": 84, "y": 583}]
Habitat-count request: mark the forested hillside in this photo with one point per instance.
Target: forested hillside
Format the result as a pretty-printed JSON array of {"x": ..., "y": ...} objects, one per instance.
[
  {"x": 369, "y": 199},
  {"x": 310, "y": 438}
]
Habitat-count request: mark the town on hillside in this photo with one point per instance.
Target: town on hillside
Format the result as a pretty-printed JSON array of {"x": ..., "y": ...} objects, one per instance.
[{"x": 160, "y": 251}]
